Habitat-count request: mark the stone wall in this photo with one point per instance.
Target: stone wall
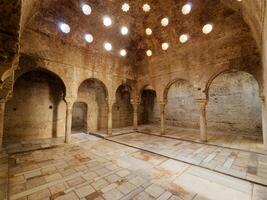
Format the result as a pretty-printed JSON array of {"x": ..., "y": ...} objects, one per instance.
[
  {"x": 122, "y": 110},
  {"x": 37, "y": 109},
  {"x": 234, "y": 104},
  {"x": 148, "y": 109},
  {"x": 79, "y": 117}
]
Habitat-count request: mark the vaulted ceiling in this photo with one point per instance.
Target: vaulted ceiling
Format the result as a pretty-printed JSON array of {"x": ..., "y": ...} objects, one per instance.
[{"x": 44, "y": 16}]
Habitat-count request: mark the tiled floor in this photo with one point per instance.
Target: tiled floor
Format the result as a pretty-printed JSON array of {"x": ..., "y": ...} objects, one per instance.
[
  {"x": 242, "y": 164},
  {"x": 94, "y": 168},
  {"x": 244, "y": 142}
]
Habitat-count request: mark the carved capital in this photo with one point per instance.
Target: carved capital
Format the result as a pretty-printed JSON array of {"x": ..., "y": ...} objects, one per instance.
[{"x": 202, "y": 103}]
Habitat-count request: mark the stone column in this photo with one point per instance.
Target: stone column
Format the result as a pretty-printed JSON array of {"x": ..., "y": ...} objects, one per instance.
[
  {"x": 135, "y": 115},
  {"x": 264, "y": 67},
  {"x": 2, "y": 114},
  {"x": 162, "y": 117},
  {"x": 110, "y": 119},
  {"x": 202, "y": 103},
  {"x": 264, "y": 121},
  {"x": 69, "y": 105}
]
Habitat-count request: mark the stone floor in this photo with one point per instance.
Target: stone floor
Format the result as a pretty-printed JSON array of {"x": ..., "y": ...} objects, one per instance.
[
  {"x": 244, "y": 142},
  {"x": 94, "y": 168},
  {"x": 238, "y": 163}
]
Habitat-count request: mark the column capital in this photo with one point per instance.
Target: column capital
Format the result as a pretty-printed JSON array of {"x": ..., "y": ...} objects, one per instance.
[
  {"x": 202, "y": 101},
  {"x": 135, "y": 103},
  {"x": 162, "y": 103}
]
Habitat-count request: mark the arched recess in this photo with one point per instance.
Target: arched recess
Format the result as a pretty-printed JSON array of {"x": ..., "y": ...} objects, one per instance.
[
  {"x": 37, "y": 108},
  {"x": 122, "y": 111},
  {"x": 234, "y": 104},
  {"x": 149, "y": 107},
  {"x": 94, "y": 94},
  {"x": 181, "y": 109},
  {"x": 79, "y": 117}
]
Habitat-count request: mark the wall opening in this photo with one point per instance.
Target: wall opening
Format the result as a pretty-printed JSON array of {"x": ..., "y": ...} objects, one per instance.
[
  {"x": 37, "y": 109},
  {"x": 94, "y": 94},
  {"x": 79, "y": 117},
  {"x": 122, "y": 111},
  {"x": 234, "y": 104}
]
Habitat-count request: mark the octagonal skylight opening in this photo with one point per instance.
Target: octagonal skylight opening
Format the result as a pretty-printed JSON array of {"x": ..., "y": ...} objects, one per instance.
[
  {"x": 149, "y": 53},
  {"x": 108, "y": 46},
  {"x": 87, "y": 10},
  {"x": 123, "y": 52},
  {"x": 146, "y": 7},
  {"x": 186, "y": 9},
  {"x": 184, "y": 38},
  {"x": 125, "y": 7},
  {"x": 165, "y": 21},
  {"x": 107, "y": 21},
  {"x": 207, "y": 28},
  {"x": 124, "y": 30},
  {"x": 65, "y": 28},
  {"x": 149, "y": 31},
  {"x": 88, "y": 38},
  {"x": 165, "y": 46}
]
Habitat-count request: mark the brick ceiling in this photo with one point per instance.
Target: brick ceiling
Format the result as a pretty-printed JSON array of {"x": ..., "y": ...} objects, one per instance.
[{"x": 45, "y": 15}]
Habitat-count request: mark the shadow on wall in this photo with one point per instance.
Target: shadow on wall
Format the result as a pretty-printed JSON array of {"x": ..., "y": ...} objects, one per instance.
[
  {"x": 148, "y": 109},
  {"x": 79, "y": 117},
  {"x": 94, "y": 94},
  {"x": 234, "y": 104},
  {"x": 37, "y": 109},
  {"x": 122, "y": 110},
  {"x": 181, "y": 109}
]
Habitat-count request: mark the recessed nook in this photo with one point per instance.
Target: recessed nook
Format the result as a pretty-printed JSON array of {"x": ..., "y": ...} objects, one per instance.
[
  {"x": 122, "y": 108},
  {"x": 34, "y": 91}
]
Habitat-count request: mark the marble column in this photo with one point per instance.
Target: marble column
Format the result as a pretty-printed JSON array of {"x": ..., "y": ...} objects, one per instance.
[
  {"x": 135, "y": 115},
  {"x": 68, "y": 121},
  {"x": 109, "y": 131},
  {"x": 2, "y": 114},
  {"x": 162, "y": 117},
  {"x": 202, "y": 103}
]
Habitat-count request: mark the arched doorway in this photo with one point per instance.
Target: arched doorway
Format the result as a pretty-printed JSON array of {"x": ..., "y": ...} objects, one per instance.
[
  {"x": 148, "y": 107},
  {"x": 37, "y": 109},
  {"x": 122, "y": 111},
  {"x": 79, "y": 117},
  {"x": 234, "y": 104},
  {"x": 181, "y": 109},
  {"x": 93, "y": 93}
]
